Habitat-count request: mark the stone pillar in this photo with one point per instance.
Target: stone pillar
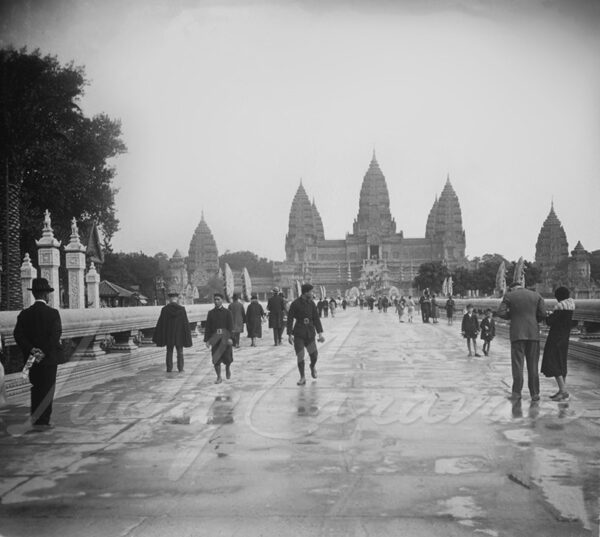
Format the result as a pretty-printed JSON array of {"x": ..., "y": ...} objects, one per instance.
[
  {"x": 28, "y": 273},
  {"x": 92, "y": 279},
  {"x": 49, "y": 260},
  {"x": 75, "y": 261}
]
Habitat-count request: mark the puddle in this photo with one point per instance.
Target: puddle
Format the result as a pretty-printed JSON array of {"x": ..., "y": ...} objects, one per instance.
[
  {"x": 461, "y": 508},
  {"x": 552, "y": 471},
  {"x": 522, "y": 437},
  {"x": 459, "y": 465},
  {"x": 221, "y": 411}
]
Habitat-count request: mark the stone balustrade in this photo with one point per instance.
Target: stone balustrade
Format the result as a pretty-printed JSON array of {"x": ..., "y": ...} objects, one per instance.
[{"x": 91, "y": 325}]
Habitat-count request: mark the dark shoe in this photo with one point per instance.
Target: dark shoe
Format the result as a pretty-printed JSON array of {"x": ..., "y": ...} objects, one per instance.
[
  {"x": 228, "y": 373},
  {"x": 219, "y": 380},
  {"x": 470, "y": 354},
  {"x": 301, "y": 382},
  {"x": 535, "y": 397},
  {"x": 563, "y": 396},
  {"x": 478, "y": 355},
  {"x": 181, "y": 371},
  {"x": 313, "y": 371},
  {"x": 514, "y": 397}
]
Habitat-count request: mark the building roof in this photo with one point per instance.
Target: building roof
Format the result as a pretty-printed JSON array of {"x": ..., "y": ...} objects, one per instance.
[{"x": 112, "y": 290}]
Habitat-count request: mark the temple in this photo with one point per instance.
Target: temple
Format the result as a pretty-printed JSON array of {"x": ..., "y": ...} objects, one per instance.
[
  {"x": 375, "y": 257},
  {"x": 203, "y": 256},
  {"x": 551, "y": 247},
  {"x": 557, "y": 267}
]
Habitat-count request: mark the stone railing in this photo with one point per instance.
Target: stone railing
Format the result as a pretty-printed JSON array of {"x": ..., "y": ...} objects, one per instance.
[
  {"x": 95, "y": 332},
  {"x": 585, "y": 337}
]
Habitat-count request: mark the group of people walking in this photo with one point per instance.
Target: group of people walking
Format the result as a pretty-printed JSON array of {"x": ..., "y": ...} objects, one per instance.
[{"x": 38, "y": 333}]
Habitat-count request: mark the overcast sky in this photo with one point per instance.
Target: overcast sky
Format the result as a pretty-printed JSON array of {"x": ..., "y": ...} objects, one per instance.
[{"x": 225, "y": 106}]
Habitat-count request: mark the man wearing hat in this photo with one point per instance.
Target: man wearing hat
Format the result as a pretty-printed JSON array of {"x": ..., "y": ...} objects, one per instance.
[
  {"x": 37, "y": 334},
  {"x": 217, "y": 336},
  {"x": 276, "y": 309},
  {"x": 525, "y": 309},
  {"x": 173, "y": 331},
  {"x": 302, "y": 333}
]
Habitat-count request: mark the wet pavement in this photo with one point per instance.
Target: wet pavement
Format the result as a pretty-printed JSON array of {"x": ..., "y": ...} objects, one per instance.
[{"x": 402, "y": 434}]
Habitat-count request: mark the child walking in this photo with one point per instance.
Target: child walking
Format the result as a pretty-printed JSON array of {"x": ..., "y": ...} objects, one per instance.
[
  {"x": 488, "y": 330},
  {"x": 470, "y": 329}
]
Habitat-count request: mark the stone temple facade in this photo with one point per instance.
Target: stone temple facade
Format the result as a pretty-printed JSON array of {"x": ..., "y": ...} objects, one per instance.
[
  {"x": 375, "y": 257},
  {"x": 558, "y": 268}
]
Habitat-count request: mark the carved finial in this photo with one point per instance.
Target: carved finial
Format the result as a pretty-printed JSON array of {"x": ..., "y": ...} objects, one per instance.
[
  {"x": 374, "y": 159},
  {"x": 26, "y": 258},
  {"x": 47, "y": 221},
  {"x": 74, "y": 229}
]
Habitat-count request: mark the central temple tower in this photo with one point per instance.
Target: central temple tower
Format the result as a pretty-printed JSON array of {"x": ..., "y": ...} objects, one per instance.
[{"x": 374, "y": 246}]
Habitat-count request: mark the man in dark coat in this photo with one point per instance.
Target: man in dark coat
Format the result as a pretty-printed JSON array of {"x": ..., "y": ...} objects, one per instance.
[
  {"x": 37, "y": 334},
  {"x": 302, "y": 332},
  {"x": 238, "y": 314},
  {"x": 173, "y": 331},
  {"x": 254, "y": 319},
  {"x": 525, "y": 309},
  {"x": 276, "y": 309},
  {"x": 217, "y": 336}
]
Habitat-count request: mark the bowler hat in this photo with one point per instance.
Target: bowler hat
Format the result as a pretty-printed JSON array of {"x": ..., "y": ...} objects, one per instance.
[
  {"x": 275, "y": 290},
  {"x": 40, "y": 285},
  {"x": 172, "y": 292},
  {"x": 306, "y": 287},
  {"x": 218, "y": 295}
]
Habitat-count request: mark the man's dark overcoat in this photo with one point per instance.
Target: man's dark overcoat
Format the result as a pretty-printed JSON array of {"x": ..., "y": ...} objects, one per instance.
[
  {"x": 39, "y": 326},
  {"x": 254, "y": 317},
  {"x": 173, "y": 327},
  {"x": 217, "y": 332},
  {"x": 276, "y": 309}
]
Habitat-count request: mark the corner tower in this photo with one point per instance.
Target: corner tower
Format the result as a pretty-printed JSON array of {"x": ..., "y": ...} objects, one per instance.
[
  {"x": 374, "y": 218},
  {"x": 305, "y": 226},
  {"x": 444, "y": 226},
  {"x": 551, "y": 247},
  {"x": 203, "y": 256}
]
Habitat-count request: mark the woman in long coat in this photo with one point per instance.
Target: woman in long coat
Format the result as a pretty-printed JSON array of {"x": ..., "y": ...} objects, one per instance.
[
  {"x": 554, "y": 361},
  {"x": 254, "y": 317}
]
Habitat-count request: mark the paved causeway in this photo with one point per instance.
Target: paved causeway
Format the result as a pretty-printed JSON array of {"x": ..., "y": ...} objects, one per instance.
[{"x": 401, "y": 435}]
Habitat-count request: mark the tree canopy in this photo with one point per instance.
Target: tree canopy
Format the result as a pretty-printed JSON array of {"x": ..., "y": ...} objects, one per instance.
[
  {"x": 257, "y": 266},
  {"x": 57, "y": 156}
]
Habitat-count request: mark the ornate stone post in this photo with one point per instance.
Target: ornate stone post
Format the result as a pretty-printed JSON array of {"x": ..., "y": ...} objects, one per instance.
[
  {"x": 49, "y": 260},
  {"x": 92, "y": 279},
  {"x": 75, "y": 260},
  {"x": 28, "y": 273}
]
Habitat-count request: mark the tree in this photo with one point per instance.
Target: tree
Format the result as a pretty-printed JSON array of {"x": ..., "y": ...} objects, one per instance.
[
  {"x": 257, "y": 266},
  {"x": 135, "y": 269},
  {"x": 431, "y": 276},
  {"x": 52, "y": 156}
]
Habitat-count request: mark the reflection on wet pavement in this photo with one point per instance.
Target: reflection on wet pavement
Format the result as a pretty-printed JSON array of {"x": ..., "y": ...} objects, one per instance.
[{"x": 402, "y": 434}]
